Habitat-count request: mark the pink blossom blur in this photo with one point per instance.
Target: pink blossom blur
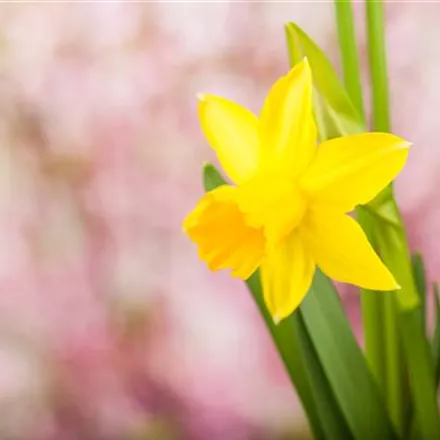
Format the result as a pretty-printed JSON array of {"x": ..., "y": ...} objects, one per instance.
[{"x": 110, "y": 327}]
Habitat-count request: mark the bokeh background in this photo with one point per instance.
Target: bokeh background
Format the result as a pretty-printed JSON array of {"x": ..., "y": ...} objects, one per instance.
[{"x": 110, "y": 329}]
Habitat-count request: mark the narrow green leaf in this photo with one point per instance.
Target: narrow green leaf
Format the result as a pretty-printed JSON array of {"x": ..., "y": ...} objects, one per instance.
[
  {"x": 373, "y": 313},
  {"x": 421, "y": 373},
  {"x": 420, "y": 280},
  {"x": 395, "y": 254},
  {"x": 286, "y": 338},
  {"x": 334, "y": 112},
  {"x": 350, "y": 59},
  {"x": 414, "y": 425},
  {"x": 304, "y": 368},
  {"x": 395, "y": 366},
  {"x": 419, "y": 274},
  {"x": 211, "y": 177},
  {"x": 378, "y": 64},
  {"x": 435, "y": 346},
  {"x": 393, "y": 247},
  {"x": 299, "y": 357},
  {"x": 329, "y": 411},
  {"x": 344, "y": 363}
]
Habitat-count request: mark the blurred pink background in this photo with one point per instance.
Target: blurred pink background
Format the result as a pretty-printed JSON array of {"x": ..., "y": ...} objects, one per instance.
[{"x": 110, "y": 328}]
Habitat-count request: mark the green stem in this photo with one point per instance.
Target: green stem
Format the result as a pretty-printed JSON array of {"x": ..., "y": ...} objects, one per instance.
[
  {"x": 347, "y": 44},
  {"x": 373, "y": 318},
  {"x": 395, "y": 375},
  {"x": 372, "y": 302},
  {"x": 378, "y": 65},
  {"x": 394, "y": 364},
  {"x": 372, "y": 312}
]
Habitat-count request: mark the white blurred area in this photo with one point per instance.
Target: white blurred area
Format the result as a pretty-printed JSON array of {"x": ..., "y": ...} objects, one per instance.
[{"x": 110, "y": 328}]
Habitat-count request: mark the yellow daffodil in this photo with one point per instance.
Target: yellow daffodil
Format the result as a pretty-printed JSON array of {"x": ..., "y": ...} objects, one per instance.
[{"x": 287, "y": 212}]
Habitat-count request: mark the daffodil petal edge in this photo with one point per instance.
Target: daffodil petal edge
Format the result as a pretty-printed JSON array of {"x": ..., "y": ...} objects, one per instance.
[
  {"x": 352, "y": 170},
  {"x": 288, "y": 129},
  {"x": 286, "y": 275},
  {"x": 233, "y": 133},
  {"x": 342, "y": 251}
]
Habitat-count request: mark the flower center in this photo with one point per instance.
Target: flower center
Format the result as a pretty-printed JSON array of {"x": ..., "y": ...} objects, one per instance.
[{"x": 274, "y": 203}]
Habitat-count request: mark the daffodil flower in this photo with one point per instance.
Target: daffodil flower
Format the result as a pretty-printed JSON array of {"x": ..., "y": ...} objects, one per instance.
[{"x": 287, "y": 210}]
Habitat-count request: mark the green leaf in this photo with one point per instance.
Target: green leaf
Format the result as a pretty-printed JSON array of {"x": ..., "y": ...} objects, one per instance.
[
  {"x": 344, "y": 363},
  {"x": 334, "y": 112},
  {"x": 421, "y": 373},
  {"x": 211, "y": 177},
  {"x": 420, "y": 280},
  {"x": 304, "y": 368},
  {"x": 435, "y": 346},
  {"x": 395, "y": 251},
  {"x": 410, "y": 319},
  {"x": 298, "y": 354},
  {"x": 391, "y": 240},
  {"x": 348, "y": 48},
  {"x": 414, "y": 425},
  {"x": 378, "y": 65}
]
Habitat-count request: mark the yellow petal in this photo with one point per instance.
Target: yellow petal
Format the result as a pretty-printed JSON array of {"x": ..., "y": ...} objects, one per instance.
[
  {"x": 288, "y": 130},
  {"x": 224, "y": 239},
  {"x": 341, "y": 250},
  {"x": 286, "y": 276},
  {"x": 352, "y": 170},
  {"x": 232, "y": 132}
]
